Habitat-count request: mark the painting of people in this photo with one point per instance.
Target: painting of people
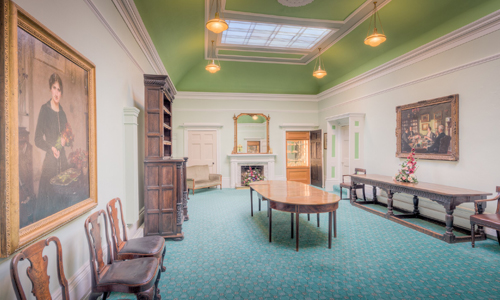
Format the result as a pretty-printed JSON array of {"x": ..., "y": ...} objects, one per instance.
[
  {"x": 53, "y": 131},
  {"x": 430, "y": 127}
]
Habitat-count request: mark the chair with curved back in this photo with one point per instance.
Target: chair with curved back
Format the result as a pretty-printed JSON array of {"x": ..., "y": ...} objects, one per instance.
[
  {"x": 489, "y": 220},
  {"x": 137, "y": 276},
  {"x": 37, "y": 271},
  {"x": 347, "y": 185},
  {"x": 123, "y": 248}
]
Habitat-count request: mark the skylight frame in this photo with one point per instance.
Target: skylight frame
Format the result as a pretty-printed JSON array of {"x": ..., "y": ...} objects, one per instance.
[{"x": 274, "y": 37}]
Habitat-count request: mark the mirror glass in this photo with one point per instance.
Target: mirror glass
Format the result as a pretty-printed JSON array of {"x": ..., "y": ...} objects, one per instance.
[{"x": 251, "y": 134}]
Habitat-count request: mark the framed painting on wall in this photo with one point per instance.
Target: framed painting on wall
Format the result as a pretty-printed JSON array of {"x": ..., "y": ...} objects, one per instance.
[
  {"x": 435, "y": 138},
  {"x": 48, "y": 167}
]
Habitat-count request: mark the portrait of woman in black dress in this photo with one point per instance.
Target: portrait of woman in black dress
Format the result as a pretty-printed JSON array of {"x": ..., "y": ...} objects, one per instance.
[{"x": 51, "y": 122}]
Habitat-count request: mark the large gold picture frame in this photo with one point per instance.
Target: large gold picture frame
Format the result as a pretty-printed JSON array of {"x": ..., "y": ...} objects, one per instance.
[
  {"x": 430, "y": 127},
  {"x": 62, "y": 58}
]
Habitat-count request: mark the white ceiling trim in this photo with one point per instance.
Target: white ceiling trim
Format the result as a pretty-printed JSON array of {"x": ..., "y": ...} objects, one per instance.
[
  {"x": 103, "y": 20},
  {"x": 255, "y": 111},
  {"x": 202, "y": 125},
  {"x": 246, "y": 96},
  {"x": 451, "y": 40},
  {"x": 132, "y": 18}
]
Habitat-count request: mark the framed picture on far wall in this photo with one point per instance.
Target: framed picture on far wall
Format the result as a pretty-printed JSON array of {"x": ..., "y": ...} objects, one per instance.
[
  {"x": 435, "y": 138},
  {"x": 50, "y": 133}
]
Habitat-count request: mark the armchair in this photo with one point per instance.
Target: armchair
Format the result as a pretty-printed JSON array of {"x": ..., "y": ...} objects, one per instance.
[
  {"x": 488, "y": 220},
  {"x": 198, "y": 177},
  {"x": 347, "y": 185}
]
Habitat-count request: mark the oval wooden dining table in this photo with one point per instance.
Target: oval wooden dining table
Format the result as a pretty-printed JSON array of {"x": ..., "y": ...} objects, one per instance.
[{"x": 297, "y": 198}]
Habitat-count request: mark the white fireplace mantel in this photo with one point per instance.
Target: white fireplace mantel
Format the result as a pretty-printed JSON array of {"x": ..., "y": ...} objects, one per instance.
[{"x": 248, "y": 159}]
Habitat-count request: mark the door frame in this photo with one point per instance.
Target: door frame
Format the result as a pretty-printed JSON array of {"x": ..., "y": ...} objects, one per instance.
[
  {"x": 204, "y": 127},
  {"x": 333, "y": 170},
  {"x": 322, "y": 155},
  {"x": 291, "y": 127}
]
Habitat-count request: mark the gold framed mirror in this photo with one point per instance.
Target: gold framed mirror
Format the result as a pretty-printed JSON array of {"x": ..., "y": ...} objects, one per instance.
[{"x": 251, "y": 133}]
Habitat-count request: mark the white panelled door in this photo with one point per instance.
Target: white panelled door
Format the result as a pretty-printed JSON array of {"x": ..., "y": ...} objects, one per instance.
[
  {"x": 202, "y": 148},
  {"x": 344, "y": 132}
]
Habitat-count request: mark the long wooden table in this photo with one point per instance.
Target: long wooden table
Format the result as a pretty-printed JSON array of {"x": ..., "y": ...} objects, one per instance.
[
  {"x": 449, "y": 197},
  {"x": 297, "y": 198}
]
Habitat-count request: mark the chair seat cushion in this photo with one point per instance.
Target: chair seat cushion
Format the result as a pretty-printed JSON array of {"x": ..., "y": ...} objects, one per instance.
[
  {"x": 488, "y": 220},
  {"x": 149, "y": 245},
  {"x": 132, "y": 272}
]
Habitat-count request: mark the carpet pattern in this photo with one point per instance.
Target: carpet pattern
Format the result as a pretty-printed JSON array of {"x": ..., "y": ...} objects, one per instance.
[{"x": 226, "y": 255}]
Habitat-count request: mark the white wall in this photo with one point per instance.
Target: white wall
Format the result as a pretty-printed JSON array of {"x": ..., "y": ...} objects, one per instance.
[
  {"x": 222, "y": 112},
  {"x": 473, "y": 77},
  {"x": 119, "y": 84}
]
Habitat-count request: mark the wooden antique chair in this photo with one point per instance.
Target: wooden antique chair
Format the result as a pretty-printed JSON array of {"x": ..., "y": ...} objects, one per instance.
[
  {"x": 37, "y": 271},
  {"x": 138, "y": 276},
  {"x": 488, "y": 220},
  {"x": 123, "y": 248},
  {"x": 347, "y": 185}
]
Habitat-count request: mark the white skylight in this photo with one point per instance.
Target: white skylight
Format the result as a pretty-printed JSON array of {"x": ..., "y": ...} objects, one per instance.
[{"x": 272, "y": 35}]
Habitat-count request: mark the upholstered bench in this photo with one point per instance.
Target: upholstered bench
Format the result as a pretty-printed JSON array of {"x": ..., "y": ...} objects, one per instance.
[{"x": 198, "y": 177}]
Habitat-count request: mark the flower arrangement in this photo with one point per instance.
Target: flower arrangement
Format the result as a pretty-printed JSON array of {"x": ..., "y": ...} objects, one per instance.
[
  {"x": 68, "y": 136},
  {"x": 252, "y": 176},
  {"x": 79, "y": 159},
  {"x": 408, "y": 169}
]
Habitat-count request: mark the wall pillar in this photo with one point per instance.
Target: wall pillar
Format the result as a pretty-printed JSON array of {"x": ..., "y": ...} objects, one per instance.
[{"x": 131, "y": 202}]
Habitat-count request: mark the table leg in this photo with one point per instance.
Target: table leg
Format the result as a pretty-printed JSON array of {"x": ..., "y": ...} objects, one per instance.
[
  {"x": 335, "y": 224},
  {"x": 270, "y": 213},
  {"x": 318, "y": 219},
  {"x": 330, "y": 230},
  {"x": 251, "y": 202},
  {"x": 449, "y": 237},
  {"x": 389, "y": 203},
  {"x": 292, "y": 224},
  {"x": 259, "y": 202},
  {"x": 375, "y": 200},
  {"x": 268, "y": 207},
  {"x": 297, "y": 228},
  {"x": 415, "y": 205},
  {"x": 308, "y": 217}
]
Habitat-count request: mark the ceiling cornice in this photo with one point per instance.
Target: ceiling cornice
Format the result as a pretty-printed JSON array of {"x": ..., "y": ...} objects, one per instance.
[
  {"x": 245, "y": 96},
  {"x": 132, "y": 18}
]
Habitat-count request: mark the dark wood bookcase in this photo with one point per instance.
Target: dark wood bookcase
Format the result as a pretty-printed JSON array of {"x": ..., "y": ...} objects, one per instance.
[{"x": 165, "y": 189}]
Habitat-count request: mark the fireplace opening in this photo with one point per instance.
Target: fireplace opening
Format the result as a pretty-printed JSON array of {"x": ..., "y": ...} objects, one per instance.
[{"x": 251, "y": 174}]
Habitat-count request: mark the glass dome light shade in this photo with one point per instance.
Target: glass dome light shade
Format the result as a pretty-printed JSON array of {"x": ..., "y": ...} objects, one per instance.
[
  {"x": 319, "y": 73},
  {"x": 217, "y": 25},
  {"x": 212, "y": 67},
  {"x": 375, "y": 39}
]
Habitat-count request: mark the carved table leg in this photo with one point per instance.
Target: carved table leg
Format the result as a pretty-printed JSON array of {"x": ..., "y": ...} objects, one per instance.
[
  {"x": 375, "y": 200},
  {"x": 389, "y": 203},
  {"x": 251, "y": 202},
  {"x": 292, "y": 224},
  {"x": 480, "y": 210},
  {"x": 352, "y": 192},
  {"x": 415, "y": 205},
  {"x": 449, "y": 237},
  {"x": 270, "y": 213}
]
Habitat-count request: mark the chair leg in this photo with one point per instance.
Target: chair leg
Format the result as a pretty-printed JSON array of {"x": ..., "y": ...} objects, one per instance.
[
  {"x": 157, "y": 294},
  {"x": 163, "y": 268},
  {"x": 498, "y": 237},
  {"x": 472, "y": 235},
  {"x": 364, "y": 196},
  {"x": 106, "y": 295},
  {"x": 147, "y": 295},
  {"x": 341, "y": 195},
  {"x": 94, "y": 296}
]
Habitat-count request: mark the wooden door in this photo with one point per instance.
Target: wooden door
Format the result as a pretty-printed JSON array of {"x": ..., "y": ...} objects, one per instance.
[
  {"x": 298, "y": 157},
  {"x": 344, "y": 132},
  {"x": 202, "y": 149},
  {"x": 316, "y": 151}
]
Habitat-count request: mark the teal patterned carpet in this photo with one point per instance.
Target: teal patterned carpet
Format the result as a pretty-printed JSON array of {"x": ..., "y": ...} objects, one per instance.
[{"x": 226, "y": 255}]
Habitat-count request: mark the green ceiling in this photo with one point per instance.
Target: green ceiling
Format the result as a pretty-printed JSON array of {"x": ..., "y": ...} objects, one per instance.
[{"x": 177, "y": 30}]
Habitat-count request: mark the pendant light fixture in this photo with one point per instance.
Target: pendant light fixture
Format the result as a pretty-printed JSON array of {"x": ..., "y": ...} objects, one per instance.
[
  {"x": 375, "y": 38},
  {"x": 217, "y": 24},
  {"x": 319, "y": 67},
  {"x": 213, "y": 67}
]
